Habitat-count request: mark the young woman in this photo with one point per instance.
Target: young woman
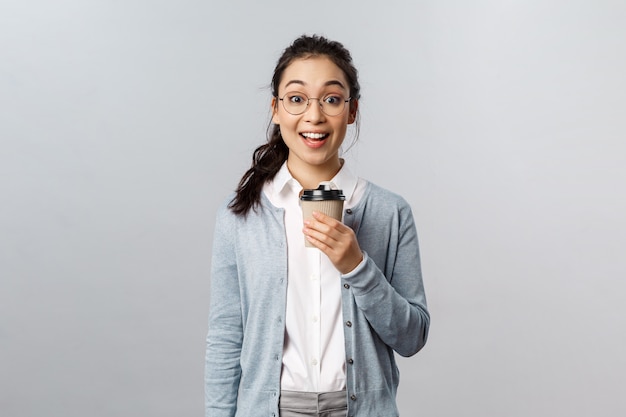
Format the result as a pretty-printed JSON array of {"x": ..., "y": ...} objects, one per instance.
[{"x": 297, "y": 331}]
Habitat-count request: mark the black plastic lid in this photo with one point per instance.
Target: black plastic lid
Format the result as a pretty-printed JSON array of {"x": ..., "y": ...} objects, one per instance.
[{"x": 323, "y": 192}]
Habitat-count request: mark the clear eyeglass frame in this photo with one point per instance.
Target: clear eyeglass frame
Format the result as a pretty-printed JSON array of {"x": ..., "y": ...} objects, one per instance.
[{"x": 328, "y": 108}]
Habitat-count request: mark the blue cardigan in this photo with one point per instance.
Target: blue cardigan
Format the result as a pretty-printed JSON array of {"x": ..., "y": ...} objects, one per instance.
[{"x": 383, "y": 304}]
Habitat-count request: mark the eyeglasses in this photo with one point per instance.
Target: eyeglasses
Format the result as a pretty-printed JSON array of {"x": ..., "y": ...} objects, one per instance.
[{"x": 297, "y": 103}]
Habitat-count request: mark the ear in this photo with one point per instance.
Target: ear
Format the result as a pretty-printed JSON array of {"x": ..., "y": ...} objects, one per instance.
[
  {"x": 274, "y": 104},
  {"x": 354, "y": 106}
]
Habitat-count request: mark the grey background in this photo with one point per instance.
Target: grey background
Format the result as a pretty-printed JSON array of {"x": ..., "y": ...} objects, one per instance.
[{"x": 124, "y": 124}]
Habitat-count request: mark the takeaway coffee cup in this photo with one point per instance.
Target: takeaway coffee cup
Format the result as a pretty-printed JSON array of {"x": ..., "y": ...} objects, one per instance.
[{"x": 325, "y": 199}]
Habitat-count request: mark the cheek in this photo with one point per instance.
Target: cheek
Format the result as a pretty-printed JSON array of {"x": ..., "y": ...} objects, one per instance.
[
  {"x": 287, "y": 134},
  {"x": 342, "y": 127}
]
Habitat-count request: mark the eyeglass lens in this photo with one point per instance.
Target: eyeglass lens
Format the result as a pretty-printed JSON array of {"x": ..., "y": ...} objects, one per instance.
[{"x": 297, "y": 103}]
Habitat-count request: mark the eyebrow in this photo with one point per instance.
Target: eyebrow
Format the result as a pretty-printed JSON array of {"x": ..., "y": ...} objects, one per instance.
[{"x": 326, "y": 84}]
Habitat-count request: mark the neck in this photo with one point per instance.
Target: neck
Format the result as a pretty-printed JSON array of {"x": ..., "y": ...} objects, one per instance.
[{"x": 310, "y": 176}]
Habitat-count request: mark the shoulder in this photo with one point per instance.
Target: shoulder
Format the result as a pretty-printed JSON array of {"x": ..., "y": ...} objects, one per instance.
[
  {"x": 383, "y": 198},
  {"x": 225, "y": 220},
  {"x": 256, "y": 217},
  {"x": 223, "y": 211}
]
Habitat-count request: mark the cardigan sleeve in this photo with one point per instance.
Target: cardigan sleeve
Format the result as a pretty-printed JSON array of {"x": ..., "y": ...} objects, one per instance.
[
  {"x": 225, "y": 335},
  {"x": 387, "y": 285}
]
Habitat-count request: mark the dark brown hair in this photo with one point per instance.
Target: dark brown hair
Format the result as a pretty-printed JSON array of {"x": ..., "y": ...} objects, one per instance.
[{"x": 268, "y": 158}]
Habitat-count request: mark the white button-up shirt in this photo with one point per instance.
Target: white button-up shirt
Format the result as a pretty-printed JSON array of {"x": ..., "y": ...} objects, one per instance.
[{"x": 314, "y": 352}]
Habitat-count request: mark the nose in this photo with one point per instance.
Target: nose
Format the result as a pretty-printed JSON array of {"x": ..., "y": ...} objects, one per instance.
[{"x": 314, "y": 111}]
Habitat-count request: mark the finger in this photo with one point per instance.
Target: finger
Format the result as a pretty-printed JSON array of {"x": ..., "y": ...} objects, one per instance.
[
  {"x": 344, "y": 254},
  {"x": 319, "y": 245},
  {"x": 330, "y": 222},
  {"x": 321, "y": 233},
  {"x": 326, "y": 219},
  {"x": 329, "y": 234}
]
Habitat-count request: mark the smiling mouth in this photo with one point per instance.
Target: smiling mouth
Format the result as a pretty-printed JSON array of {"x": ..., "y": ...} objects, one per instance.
[{"x": 314, "y": 136}]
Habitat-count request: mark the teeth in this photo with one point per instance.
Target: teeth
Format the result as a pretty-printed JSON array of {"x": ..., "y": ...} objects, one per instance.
[{"x": 314, "y": 135}]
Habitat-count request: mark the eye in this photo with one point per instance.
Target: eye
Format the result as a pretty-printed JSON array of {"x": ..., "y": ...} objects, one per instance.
[
  {"x": 296, "y": 98},
  {"x": 333, "y": 100}
]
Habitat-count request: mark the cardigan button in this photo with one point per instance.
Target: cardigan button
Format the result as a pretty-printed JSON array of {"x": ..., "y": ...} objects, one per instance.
[
  {"x": 348, "y": 211},
  {"x": 349, "y": 323},
  {"x": 346, "y": 286},
  {"x": 353, "y": 397},
  {"x": 350, "y": 361}
]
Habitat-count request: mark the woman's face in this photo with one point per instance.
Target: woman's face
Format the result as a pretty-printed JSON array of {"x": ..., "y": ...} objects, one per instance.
[{"x": 313, "y": 137}]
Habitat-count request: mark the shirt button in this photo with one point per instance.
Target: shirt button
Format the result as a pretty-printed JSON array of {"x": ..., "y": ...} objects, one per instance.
[
  {"x": 314, "y": 362},
  {"x": 315, "y": 318},
  {"x": 348, "y": 211},
  {"x": 313, "y": 277},
  {"x": 346, "y": 286},
  {"x": 349, "y": 323}
]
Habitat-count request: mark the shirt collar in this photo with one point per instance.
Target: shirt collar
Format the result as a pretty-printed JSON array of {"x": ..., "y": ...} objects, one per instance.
[
  {"x": 345, "y": 180},
  {"x": 284, "y": 182}
]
